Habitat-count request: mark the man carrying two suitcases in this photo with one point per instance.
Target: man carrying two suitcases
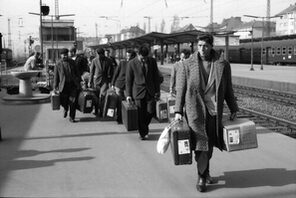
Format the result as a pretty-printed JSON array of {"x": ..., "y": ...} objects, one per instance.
[{"x": 203, "y": 83}]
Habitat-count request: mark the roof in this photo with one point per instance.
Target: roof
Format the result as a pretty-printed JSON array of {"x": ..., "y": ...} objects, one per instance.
[
  {"x": 157, "y": 38},
  {"x": 288, "y": 10}
]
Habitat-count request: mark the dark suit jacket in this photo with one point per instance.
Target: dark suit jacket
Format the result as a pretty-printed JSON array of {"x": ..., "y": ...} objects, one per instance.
[
  {"x": 138, "y": 84},
  {"x": 101, "y": 73},
  {"x": 59, "y": 74},
  {"x": 82, "y": 64},
  {"x": 119, "y": 75}
]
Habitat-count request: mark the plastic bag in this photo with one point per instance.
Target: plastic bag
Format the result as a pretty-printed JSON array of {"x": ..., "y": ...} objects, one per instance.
[{"x": 164, "y": 139}]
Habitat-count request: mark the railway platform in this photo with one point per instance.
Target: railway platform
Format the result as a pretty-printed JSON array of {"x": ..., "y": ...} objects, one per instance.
[
  {"x": 42, "y": 154},
  {"x": 279, "y": 78}
]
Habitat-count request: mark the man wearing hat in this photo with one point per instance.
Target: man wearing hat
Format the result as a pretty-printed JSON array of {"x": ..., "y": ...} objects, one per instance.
[{"x": 67, "y": 83}]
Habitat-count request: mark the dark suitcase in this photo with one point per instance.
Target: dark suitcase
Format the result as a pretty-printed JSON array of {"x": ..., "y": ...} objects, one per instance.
[
  {"x": 129, "y": 116},
  {"x": 55, "y": 101},
  {"x": 110, "y": 104},
  {"x": 180, "y": 143},
  {"x": 12, "y": 90},
  {"x": 171, "y": 107},
  {"x": 161, "y": 111},
  {"x": 85, "y": 101}
]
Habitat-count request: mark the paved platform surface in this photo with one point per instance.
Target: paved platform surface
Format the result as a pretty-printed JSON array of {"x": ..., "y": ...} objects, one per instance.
[
  {"x": 281, "y": 78},
  {"x": 44, "y": 155}
]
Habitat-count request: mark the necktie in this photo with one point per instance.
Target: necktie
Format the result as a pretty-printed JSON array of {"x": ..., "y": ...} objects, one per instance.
[{"x": 144, "y": 67}]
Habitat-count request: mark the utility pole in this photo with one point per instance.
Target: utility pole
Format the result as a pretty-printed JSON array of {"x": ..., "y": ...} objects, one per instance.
[
  {"x": 149, "y": 22},
  {"x": 9, "y": 35},
  {"x": 268, "y": 18},
  {"x": 41, "y": 32},
  {"x": 96, "y": 26},
  {"x": 211, "y": 17}
]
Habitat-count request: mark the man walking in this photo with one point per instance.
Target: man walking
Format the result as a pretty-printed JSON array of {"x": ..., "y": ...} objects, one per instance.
[
  {"x": 203, "y": 83},
  {"x": 67, "y": 83},
  {"x": 101, "y": 73},
  {"x": 142, "y": 86}
]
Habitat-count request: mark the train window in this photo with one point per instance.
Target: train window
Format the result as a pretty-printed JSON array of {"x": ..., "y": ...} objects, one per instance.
[
  {"x": 278, "y": 51},
  {"x": 284, "y": 51},
  {"x": 290, "y": 51}
]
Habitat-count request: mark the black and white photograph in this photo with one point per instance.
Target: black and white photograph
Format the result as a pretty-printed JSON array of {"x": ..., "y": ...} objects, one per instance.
[{"x": 148, "y": 98}]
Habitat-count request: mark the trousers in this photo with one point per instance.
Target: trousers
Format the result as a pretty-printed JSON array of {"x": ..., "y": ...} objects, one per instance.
[{"x": 202, "y": 158}]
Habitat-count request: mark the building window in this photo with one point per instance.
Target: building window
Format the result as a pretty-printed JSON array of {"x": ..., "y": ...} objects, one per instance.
[
  {"x": 284, "y": 51},
  {"x": 273, "y": 51},
  {"x": 290, "y": 51},
  {"x": 278, "y": 51}
]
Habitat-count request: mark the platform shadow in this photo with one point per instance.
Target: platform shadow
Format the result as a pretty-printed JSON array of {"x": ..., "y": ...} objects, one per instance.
[
  {"x": 29, "y": 164},
  {"x": 256, "y": 178},
  {"x": 30, "y": 153}
]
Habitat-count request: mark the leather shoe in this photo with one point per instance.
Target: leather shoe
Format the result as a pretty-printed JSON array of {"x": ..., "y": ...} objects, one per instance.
[
  {"x": 72, "y": 120},
  {"x": 65, "y": 113},
  {"x": 145, "y": 137},
  {"x": 210, "y": 180},
  {"x": 201, "y": 185}
]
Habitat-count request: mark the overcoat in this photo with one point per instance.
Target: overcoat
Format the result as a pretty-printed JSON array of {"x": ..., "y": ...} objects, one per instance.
[
  {"x": 59, "y": 74},
  {"x": 191, "y": 95}
]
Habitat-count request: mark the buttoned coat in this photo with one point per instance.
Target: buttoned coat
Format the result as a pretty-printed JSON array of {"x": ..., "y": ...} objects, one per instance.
[
  {"x": 101, "y": 71},
  {"x": 59, "y": 74},
  {"x": 138, "y": 83},
  {"x": 191, "y": 95}
]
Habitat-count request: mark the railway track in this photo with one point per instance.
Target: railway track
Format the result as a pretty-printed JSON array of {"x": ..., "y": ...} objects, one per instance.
[{"x": 264, "y": 119}]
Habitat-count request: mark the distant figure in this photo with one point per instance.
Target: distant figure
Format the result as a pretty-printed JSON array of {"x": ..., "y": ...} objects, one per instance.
[
  {"x": 185, "y": 53},
  {"x": 101, "y": 73},
  {"x": 31, "y": 63},
  {"x": 80, "y": 60},
  {"x": 118, "y": 81},
  {"x": 107, "y": 54},
  {"x": 67, "y": 83},
  {"x": 203, "y": 84},
  {"x": 143, "y": 86}
]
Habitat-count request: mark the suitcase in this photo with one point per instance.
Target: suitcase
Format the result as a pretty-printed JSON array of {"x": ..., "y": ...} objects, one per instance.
[
  {"x": 55, "y": 101},
  {"x": 129, "y": 116},
  {"x": 180, "y": 143},
  {"x": 85, "y": 101},
  {"x": 161, "y": 111},
  {"x": 171, "y": 107},
  {"x": 110, "y": 104},
  {"x": 12, "y": 90},
  {"x": 239, "y": 134}
]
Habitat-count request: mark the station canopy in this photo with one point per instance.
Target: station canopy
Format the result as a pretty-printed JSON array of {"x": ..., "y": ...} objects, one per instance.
[{"x": 155, "y": 38}]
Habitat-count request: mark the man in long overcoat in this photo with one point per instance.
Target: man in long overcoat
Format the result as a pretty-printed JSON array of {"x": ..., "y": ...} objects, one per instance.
[
  {"x": 203, "y": 83},
  {"x": 67, "y": 83}
]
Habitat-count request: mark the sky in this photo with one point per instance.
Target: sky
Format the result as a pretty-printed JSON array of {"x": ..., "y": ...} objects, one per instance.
[{"x": 126, "y": 13}]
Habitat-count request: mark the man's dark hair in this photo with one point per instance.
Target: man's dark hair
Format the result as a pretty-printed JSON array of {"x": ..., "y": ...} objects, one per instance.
[
  {"x": 73, "y": 49},
  {"x": 133, "y": 54},
  {"x": 144, "y": 51},
  {"x": 208, "y": 38},
  {"x": 186, "y": 52},
  {"x": 100, "y": 51}
]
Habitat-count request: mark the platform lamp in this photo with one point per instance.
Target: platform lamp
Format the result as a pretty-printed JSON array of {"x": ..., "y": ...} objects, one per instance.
[{"x": 44, "y": 10}]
